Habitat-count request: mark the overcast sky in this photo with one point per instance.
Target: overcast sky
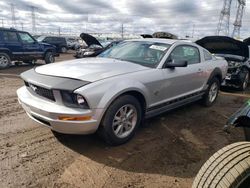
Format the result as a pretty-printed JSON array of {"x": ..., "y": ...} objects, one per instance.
[{"x": 137, "y": 16}]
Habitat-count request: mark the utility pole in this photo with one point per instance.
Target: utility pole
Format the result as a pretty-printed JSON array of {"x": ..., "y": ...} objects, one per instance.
[
  {"x": 122, "y": 31},
  {"x": 238, "y": 20},
  {"x": 223, "y": 26},
  {"x": 22, "y": 25},
  {"x": 33, "y": 17},
  {"x": 13, "y": 15},
  {"x": 59, "y": 31},
  {"x": 2, "y": 22},
  {"x": 193, "y": 30}
]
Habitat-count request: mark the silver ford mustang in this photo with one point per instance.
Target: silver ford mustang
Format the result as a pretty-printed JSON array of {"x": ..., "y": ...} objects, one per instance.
[{"x": 113, "y": 93}]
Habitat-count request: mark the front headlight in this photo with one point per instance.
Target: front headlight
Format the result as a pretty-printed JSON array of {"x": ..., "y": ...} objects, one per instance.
[{"x": 74, "y": 100}]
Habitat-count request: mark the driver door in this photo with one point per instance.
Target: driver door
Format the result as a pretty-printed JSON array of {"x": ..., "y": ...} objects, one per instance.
[
  {"x": 30, "y": 46},
  {"x": 181, "y": 81}
]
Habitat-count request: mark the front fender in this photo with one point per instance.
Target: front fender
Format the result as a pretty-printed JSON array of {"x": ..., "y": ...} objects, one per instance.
[
  {"x": 101, "y": 94},
  {"x": 120, "y": 88}
]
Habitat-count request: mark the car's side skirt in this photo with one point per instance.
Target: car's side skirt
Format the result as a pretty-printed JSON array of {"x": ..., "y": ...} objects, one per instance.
[{"x": 170, "y": 105}]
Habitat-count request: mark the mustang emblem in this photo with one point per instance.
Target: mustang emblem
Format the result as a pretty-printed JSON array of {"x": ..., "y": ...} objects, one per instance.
[{"x": 34, "y": 88}]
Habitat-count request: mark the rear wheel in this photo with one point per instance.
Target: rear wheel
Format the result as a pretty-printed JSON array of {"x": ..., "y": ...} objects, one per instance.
[
  {"x": 212, "y": 92},
  {"x": 49, "y": 58},
  {"x": 121, "y": 120},
  {"x": 4, "y": 61},
  {"x": 229, "y": 167}
]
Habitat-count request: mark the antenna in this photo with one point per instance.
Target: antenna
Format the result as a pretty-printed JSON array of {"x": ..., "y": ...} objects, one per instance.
[
  {"x": 223, "y": 26},
  {"x": 238, "y": 20}
]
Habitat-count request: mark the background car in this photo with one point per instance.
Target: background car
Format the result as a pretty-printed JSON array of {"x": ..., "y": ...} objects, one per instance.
[
  {"x": 21, "y": 46},
  {"x": 237, "y": 55},
  {"x": 59, "y": 42},
  {"x": 73, "y": 43},
  {"x": 94, "y": 46},
  {"x": 163, "y": 35}
]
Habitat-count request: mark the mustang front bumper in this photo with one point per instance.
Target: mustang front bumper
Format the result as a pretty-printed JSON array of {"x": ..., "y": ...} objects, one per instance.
[{"x": 48, "y": 114}]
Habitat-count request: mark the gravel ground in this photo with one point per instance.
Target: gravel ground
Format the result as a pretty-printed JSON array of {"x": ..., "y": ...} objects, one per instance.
[{"x": 166, "y": 152}]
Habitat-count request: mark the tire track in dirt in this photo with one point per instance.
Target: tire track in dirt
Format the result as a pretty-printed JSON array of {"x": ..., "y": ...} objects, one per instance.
[{"x": 31, "y": 157}]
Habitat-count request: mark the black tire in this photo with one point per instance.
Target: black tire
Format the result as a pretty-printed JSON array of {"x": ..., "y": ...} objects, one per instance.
[
  {"x": 63, "y": 49},
  {"x": 245, "y": 80},
  {"x": 228, "y": 167},
  {"x": 49, "y": 58},
  {"x": 206, "y": 98},
  {"x": 247, "y": 133},
  {"x": 5, "y": 61},
  {"x": 106, "y": 130}
]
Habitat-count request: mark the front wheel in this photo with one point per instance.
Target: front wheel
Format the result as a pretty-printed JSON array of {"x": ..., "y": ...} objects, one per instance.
[
  {"x": 121, "y": 120},
  {"x": 4, "y": 61},
  {"x": 245, "y": 81},
  {"x": 212, "y": 92},
  {"x": 49, "y": 58}
]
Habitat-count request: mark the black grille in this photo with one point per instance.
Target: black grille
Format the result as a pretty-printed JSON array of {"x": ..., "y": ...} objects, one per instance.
[{"x": 46, "y": 93}]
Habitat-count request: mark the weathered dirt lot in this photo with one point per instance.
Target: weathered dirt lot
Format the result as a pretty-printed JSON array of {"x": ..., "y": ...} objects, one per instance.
[{"x": 166, "y": 152}]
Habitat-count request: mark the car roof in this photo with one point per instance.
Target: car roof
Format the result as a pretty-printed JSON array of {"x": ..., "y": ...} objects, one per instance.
[
  {"x": 160, "y": 40},
  {"x": 10, "y": 29}
]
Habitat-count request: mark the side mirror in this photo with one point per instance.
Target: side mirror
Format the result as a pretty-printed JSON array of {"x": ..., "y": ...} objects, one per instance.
[{"x": 172, "y": 64}]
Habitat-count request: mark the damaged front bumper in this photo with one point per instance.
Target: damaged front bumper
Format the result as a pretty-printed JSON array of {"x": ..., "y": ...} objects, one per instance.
[{"x": 234, "y": 78}]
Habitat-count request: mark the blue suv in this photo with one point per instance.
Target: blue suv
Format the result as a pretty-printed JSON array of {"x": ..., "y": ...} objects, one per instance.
[{"x": 21, "y": 46}]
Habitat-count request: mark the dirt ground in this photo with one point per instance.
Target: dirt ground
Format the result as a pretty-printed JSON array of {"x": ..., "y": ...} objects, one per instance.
[{"x": 166, "y": 152}]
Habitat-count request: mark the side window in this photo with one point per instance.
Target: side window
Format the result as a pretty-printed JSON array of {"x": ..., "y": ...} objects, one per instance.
[
  {"x": 26, "y": 38},
  {"x": 207, "y": 55},
  {"x": 9, "y": 36},
  {"x": 186, "y": 53}
]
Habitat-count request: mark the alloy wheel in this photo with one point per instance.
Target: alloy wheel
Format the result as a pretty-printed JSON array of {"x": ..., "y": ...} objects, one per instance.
[
  {"x": 125, "y": 121},
  {"x": 246, "y": 80},
  {"x": 3, "y": 61},
  {"x": 213, "y": 92}
]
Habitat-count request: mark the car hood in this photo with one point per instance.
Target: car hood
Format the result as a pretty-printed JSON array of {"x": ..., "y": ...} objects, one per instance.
[
  {"x": 89, "y": 39},
  {"x": 247, "y": 41},
  {"x": 224, "y": 45},
  {"x": 90, "y": 69}
]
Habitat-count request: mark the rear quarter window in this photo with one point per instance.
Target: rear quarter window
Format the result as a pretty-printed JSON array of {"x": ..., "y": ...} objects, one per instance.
[
  {"x": 9, "y": 36},
  {"x": 207, "y": 55}
]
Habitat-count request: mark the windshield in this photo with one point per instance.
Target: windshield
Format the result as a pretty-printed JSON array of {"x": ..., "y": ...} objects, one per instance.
[
  {"x": 40, "y": 39},
  {"x": 140, "y": 52}
]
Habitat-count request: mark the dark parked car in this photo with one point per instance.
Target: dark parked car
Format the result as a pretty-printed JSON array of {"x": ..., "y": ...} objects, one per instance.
[
  {"x": 21, "y": 46},
  {"x": 59, "y": 42},
  {"x": 237, "y": 55},
  {"x": 94, "y": 46}
]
